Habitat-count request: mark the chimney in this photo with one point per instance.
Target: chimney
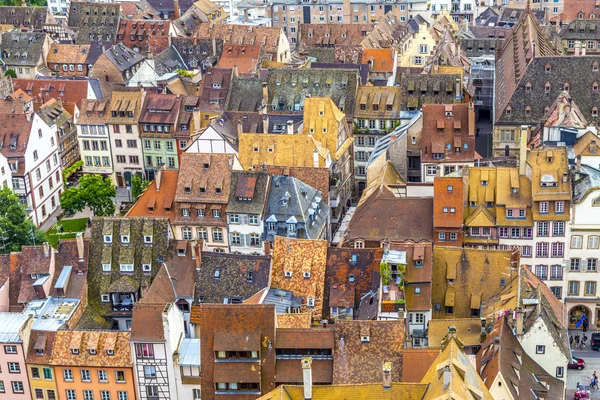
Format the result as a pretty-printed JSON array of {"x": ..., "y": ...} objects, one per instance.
[
  {"x": 158, "y": 179},
  {"x": 578, "y": 163},
  {"x": 577, "y": 48},
  {"x": 523, "y": 149},
  {"x": 265, "y": 91},
  {"x": 265, "y": 119},
  {"x": 28, "y": 116},
  {"x": 214, "y": 43},
  {"x": 198, "y": 252},
  {"x": 347, "y": 12},
  {"x": 471, "y": 119},
  {"x": 176, "y": 7},
  {"x": 438, "y": 171},
  {"x": 46, "y": 249},
  {"x": 235, "y": 71},
  {"x": 387, "y": 375},
  {"x": 267, "y": 248},
  {"x": 59, "y": 99},
  {"x": 240, "y": 127},
  {"x": 290, "y": 127},
  {"x": 80, "y": 246},
  {"x": 315, "y": 159},
  {"x": 520, "y": 320},
  {"x": 245, "y": 14},
  {"x": 307, "y": 377}
]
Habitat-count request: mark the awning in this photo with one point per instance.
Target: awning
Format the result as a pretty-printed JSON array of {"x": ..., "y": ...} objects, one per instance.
[
  {"x": 475, "y": 301},
  {"x": 449, "y": 301}
]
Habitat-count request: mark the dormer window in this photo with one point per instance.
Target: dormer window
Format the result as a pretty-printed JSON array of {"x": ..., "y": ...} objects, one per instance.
[
  {"x": 92, "y": 352},
  {"x": 566, "y": 86},
  {"x": 484, "y": 183},
  {"x": 287, "y": 274},
  {"x": 306, "y": 275},
  {"x": 595, "y": 112},
  {"x": 548, "y": 68},
  {"x": 595, "y": 66},
  {"x": 106, "y": 267},
  {"x": 365, "y": 339},
  {"x": 217, "y": 274},
  {"x": 351, "y": 278},
  {"x": 75, "y": 351},
  {"x": 108, "y": 239},
  {"x": 418, "y": 263},
  {"x": 126, "y": 267},
  {"x": 105, "y": 298},
  {"x": 527, "y": 110},
  {"x": 148, "y": 239},
  {"x": 147, "y": 268},
  {"x": 125, "y": 239},
  {"x": 509, "y": 110},
  {"x": 528, "y": 87},
  {"x": 310, "y": 302}
]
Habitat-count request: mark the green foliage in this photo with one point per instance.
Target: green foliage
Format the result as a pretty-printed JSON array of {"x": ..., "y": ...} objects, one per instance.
[
  {"x": 11, "y": 73},
  {"x": 400, "y": 301},
  {"x": 138, "y": 186},
  {"x": 16, "y": 229},
  {"x": 184, "y": 73},
  {"x": 39, "y": 3},
  {"x": 93, "y": 192},
  {"x": 65, "y": 229},
  {"x": 384, "y": 270},
  {"x": 71, "y": 170}
]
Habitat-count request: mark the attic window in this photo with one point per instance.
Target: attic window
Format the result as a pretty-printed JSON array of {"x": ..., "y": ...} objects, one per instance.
[
  {"x": 528, "y": 110},
  {"x": 351, "y": 278},
  {"x": 288, "y": 274},
  {"x": 310, "y": 302},
  {"x": 595, "y": 87},
  {"x": 508, "y": 110},
  {"x": 548, "y": 68},
  {"x": 148, "y": 239},
  {"x": 306, "y": 275},
  {"x": 547, "y": 87},
  {"x": 106, "y": 267},
  {"x": 418, "y": 263},
  {"x": 595, "y": 112},
  {"x": 187, "y": 190},
  {"x": 75, "y": 351},
  {"x": 105, "y": 298},
  {"x": 92, "y": 352},
  {"x": 125, "y": 239},
  {"x": 217, "y": 274},
  {"x": 528, "y": 87},
  {"x": 107, "y": 239},
  {"x": 147, "y": 268},
  {"x": 566, "y": 86},
  {"x": 365, "y": 339}
]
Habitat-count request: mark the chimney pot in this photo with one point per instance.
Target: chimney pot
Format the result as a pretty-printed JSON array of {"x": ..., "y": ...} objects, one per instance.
[
  {"x": 387, "y": 375},
  {"x": 307, "y": 377}
]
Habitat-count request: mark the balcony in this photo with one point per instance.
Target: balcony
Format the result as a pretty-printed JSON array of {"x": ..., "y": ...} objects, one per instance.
[{"x": 335, "y": 192}]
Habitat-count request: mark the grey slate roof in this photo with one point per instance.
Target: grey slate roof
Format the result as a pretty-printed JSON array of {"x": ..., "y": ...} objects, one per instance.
[
  {"x": 22, "y": 48},
  {"x": 289, "y": 87},
  {"x": 29, "y": 17},
  {"x": 580, "y": 89},
  {"x": 122, "y": 57},
  {"x": 233, "y": 276},
  {"x": 581, "y": 29},
  {"x": 427, "y": 89},
  {"x": 282, "y": 299},
  {"x": 489, "y": 17},
  {"x": 590, "y": 181},
  {"x": 302, "y": 200},
  {"x": 510, "y": 16},
  {"x": 257, "y": 204},
  {"x": 246, "y": 95},
  {"x": 198, "y": 53},
  {"x": 169, "y": 60},
  {"x": 383, "y": 143},
  {"x": 94, "y": 21}
]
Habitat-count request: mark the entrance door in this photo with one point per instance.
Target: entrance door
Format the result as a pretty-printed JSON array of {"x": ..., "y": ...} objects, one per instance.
[
  {"x": 119, "y": 179},
  {"x": 127, "y": 178}
]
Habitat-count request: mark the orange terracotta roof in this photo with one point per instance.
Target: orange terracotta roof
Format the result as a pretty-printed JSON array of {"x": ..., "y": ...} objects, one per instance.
[
  {"x": 416, "y": 362},
  {"x": 246, "y": 57},
  {"x": 157, "y": 203},
  {"x": 382, "y": 59},
  {"x": 64, "y": 341}
]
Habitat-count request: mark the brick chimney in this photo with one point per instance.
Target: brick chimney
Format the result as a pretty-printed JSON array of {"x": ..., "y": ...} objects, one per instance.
[
  {"x": 523, "y": 149},
  {"x": 307, "y": 377},
  {"x": 267, "y": 248},
  {"x": 265, "y": 91},
  {"x": 176, "y": 7},
  {"x": 387, "y": 375},
  {"x": 80, "y": 246},
  {"x": 158, "y": 179},
  {"x": 290, "y": 127},
  {"x": 46, "y": 249},
  {"x": 520, "y": 321},
  {"x": 240, "y": 127}
]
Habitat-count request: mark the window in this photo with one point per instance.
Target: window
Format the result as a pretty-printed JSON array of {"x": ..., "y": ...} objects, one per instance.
[
  {"x": 540, "y": 349},
  {"x": 556, "y": 291},
  {"x": 17, "y": 387},
  {"x": 503, "y": 232},
  {"x": 120, "y": 375},
  {"x": 558, "y": 249},
  {"x": 543, "y": 207},
  {"x": 186, "y": 233},
  {"x": 88, "y": 395},
  {"x": 442, "y": 236},
  {"x": 10, "y": 349},
  {"x": 216, "y": 214},
  {"x": 558, "y": 229},
  {"x": 47, "y": 373},
  {"x": 35, "y": 372},
  {"x": 71, "y": 394},
  {"x": 543, "y": 228},
  {"x": 14, "y": 367},
  {"x": 591, "y": 264},
  {"x": 526, "y": 251},
  {"x": 104, "y": 395},
  {"x": 575, "y": 264},
  {"x": 592, "y": 242},
  {"x": 431, "y": 170},
  {"x": 576, "y": 242},
  {"x": 39, "y": 394},
  {"x": 541, "y": 271},
  {"x": 542, "y": 249},
  {"x": 590, "y": 288},
  {"x": 202, "y": 234},
  {"x": 123, "y": 395},
  {"x": 126, "y": 267},
  {"x": 152, "y": 391},
  {"x": 144, "y": 350},
  {"x": 149, "y": 371},
  {"x": 68, "y": 375},
  {"x": 556, "y": 273},
  {"x": 102, "y": 376},
  {"x": 85, "y": 375},
  {"x": 559, "y": 207},
  {"x": 573, "y": 288}
]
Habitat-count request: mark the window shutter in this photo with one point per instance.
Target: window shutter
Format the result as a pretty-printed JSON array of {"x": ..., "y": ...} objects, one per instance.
[
  {"x": 246, "y": 239},
  {"x": 244, "y": 219}
]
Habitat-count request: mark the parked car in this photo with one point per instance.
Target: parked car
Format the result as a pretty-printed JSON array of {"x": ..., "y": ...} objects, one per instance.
[
  {"x": 576, "y": 363},
  {"x": 595, "y": 341}
]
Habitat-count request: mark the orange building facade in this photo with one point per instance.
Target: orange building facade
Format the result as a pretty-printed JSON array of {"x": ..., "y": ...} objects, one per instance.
[{"x": 93, "y": 365}]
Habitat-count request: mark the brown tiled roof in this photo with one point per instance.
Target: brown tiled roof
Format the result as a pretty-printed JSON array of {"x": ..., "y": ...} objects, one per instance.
[
  {"x": 99, "y": 19},
  {"x": 418, "y": 301},
  {"x": 304, "y": 339},
  {"x": 326, "y": 35},
  {"x": 300, "y": 256},
  {"x": 64, "y": 340},
  {"x": 245, "y": 57},
  {"x": 294, "y": 321},
  {"x": 572, "y": 8},
  {"x": 439, "y": 133},
  {"x": 243, "y": 34},
  {"x": 14, "y": 135},
  {"x": 68, "y": 53},
  {"x": 163, "y": 102},
  {"x": 363, "y": 264},
  {"x": 15, "y": 276},
  {"x": 157, "y": 203},
  {"x": 42, "y": 90},
  {"x": 361, "y": 362},
  {"x": 416, "y": 362},
  {"x": 502, "y": 354},
  {"x": 373, "y": 391},
  {"x": 445, "y": 199},
  {"x": 193, "y": 175},
  {"x": 147, "y": 323},
  {"x": 40, "y": 341},
  {"x": 25, "y": 17},
  {"x": 549, "y": 165},
  {"x": 68, "y": 255},
  {"x": 406, "y": 218},
  {"x": 341, "y": 295},
  {"x": 216, "y": 86},
  {"x": 290, "y": 371},
  {"x": 383, "y": 97},
  {"x": 145, "y": 29}
]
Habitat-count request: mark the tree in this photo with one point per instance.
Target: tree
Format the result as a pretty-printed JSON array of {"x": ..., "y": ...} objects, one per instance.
[
  {"x": 138, "y": 187},
  {"x": 16, "y": 229},
  {"x": 93, "y": 192},
  {"x": 11, "y": 73}
]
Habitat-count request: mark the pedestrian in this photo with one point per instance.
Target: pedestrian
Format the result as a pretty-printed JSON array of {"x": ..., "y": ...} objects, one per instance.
[
  {"x": 571, "y": 341},
  {"x": 477, "y": 131},
  {"x": 577, "y": 340},
  {"x": 594, "y": 380}
]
